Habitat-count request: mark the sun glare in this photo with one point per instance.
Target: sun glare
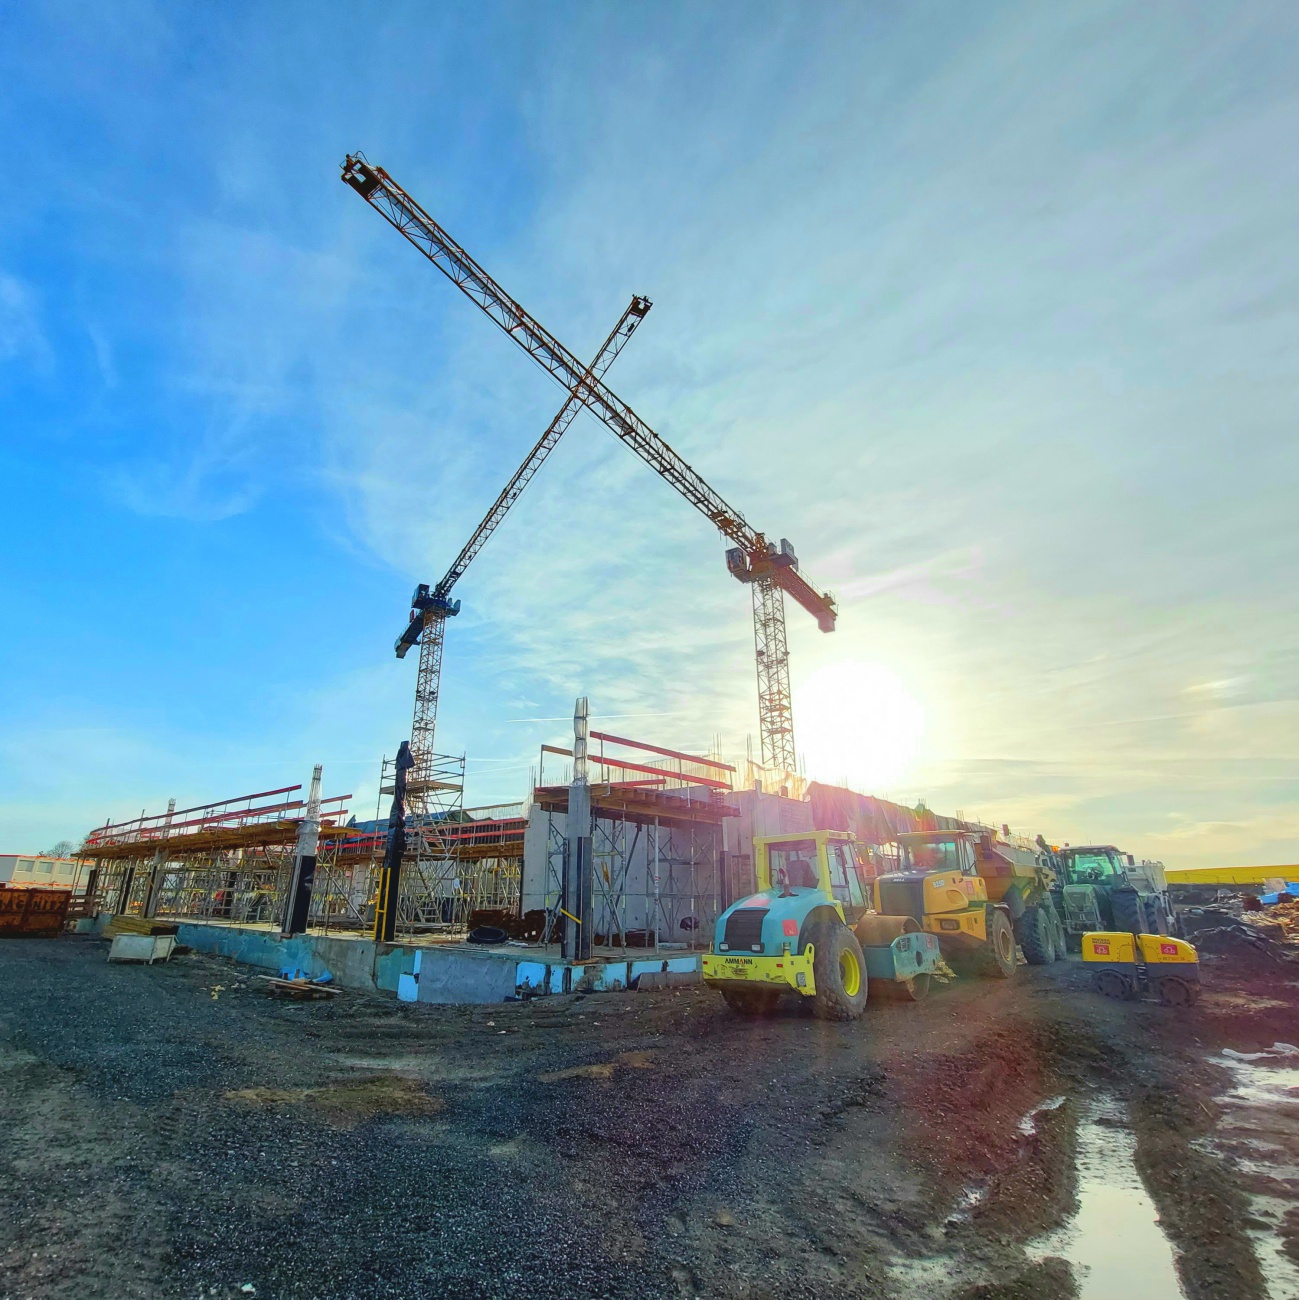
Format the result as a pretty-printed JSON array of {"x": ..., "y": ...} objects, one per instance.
[{"x": 858, "y": 722}]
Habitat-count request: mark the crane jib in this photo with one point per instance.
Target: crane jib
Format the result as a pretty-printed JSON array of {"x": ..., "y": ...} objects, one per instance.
[
  {"x": 435, "y": 603},
  {"x": 410, "y": 219}
]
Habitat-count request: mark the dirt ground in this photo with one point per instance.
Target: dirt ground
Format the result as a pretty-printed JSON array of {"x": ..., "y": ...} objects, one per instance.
[{"x": 174, "y": 1131}]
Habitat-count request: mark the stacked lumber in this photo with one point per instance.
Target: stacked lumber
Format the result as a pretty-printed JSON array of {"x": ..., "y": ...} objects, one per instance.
[
  {"x": 297, "y": 988},
  {"x": 138, "y": 925}
]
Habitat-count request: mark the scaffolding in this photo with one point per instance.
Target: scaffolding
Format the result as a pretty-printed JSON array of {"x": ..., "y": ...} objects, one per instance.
[
  {"x": 458, "y": 861},
  {"x": 228, "y": 861},
  {"x": 656, "y": 846}
]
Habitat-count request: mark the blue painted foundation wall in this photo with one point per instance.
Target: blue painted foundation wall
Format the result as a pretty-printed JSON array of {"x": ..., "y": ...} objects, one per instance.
[{"x": 455, "y": 975}]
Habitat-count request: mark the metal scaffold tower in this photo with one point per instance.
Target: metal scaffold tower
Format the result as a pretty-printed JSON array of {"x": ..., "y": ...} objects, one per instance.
[
  {"x": 772, "y": 568},
  {"x": 430, "y": 891},
  {"x": 455, "y": 861}
]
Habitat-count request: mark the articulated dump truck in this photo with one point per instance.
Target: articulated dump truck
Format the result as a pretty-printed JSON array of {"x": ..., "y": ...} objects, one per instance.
[
  {"x": 821, "y": 928},
  {"x": 981, "y": 892}
]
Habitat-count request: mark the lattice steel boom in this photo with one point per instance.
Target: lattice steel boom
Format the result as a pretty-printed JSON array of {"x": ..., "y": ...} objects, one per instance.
[
  {"x": 752, "y": 559},
  {"x": 431, "y": 609}
]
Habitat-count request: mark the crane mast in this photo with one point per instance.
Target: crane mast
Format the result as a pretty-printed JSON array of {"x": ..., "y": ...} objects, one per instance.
[
  {"x": 430, "y": 609},
  {"x": 771, "y": 569}
]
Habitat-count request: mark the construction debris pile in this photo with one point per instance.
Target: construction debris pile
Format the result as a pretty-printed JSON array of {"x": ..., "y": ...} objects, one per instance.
[
  {"x": 1283, "y": 916},
  {"x": 1268, "y": 936}
]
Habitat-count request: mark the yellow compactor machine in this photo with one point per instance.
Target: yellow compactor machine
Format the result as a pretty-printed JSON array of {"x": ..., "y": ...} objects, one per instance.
[{"x": 1127, "y": 966}]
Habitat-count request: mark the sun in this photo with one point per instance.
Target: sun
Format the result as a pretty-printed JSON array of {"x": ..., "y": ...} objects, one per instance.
[{"x": 857, "y": 722}]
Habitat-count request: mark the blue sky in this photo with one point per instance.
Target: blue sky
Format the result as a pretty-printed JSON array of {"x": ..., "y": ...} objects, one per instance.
[{"x": 991, "y": 309}]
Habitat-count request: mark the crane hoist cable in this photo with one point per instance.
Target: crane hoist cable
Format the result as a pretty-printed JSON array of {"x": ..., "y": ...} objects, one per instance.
[{"x": 772, "y": 569}]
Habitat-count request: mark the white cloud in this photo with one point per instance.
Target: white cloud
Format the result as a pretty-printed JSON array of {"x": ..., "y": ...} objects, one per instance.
[{"x": 21, "y": 336}]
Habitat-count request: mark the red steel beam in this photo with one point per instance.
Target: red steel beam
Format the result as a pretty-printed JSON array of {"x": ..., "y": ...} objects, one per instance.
[
  {"x": 655, "y": 749},
  {"x": 640, "y": 767}
]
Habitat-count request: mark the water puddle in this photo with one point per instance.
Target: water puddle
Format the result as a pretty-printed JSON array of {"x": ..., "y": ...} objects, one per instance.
[
  {"x": 1259, "y": 1131},
  {"x": 1114, "y": 1243},
  {"x": 1028, "y": 1125}
]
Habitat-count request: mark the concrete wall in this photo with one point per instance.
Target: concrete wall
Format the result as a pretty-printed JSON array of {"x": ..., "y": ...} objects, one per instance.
[
  {"x": 449, "y": 975},
  {"x": 760, "y": 815},
  {"x": 464, "y": 976},
  {"x": 352, "y": 962},
  {"x": 682, "y": 889},
  {"x": 532, "y": 885}
]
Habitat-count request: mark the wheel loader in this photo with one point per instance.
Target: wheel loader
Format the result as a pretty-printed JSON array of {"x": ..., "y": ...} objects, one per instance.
[
  {"x": 981, "y": 893},
  {"x": 1100, "y": 888},
  {"x": 809, "y": 931}
]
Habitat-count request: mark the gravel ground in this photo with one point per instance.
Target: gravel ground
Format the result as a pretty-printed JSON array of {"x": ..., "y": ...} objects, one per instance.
[{"x": 173, "y": 1131}]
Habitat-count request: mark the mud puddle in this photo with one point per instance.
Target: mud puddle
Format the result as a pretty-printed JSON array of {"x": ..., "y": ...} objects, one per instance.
[
  {"x": 1114, "y": 1244},
  {"x": 1258, "y": 1131}
]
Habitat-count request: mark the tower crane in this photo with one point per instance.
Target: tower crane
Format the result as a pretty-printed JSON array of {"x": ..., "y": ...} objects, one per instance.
[
  {"x": 432, "y": 606},
  {"x": 771, "y": 569}
]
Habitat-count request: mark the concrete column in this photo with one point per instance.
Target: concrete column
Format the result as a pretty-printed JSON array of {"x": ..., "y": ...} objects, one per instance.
[
  {"x": 124, "y": 890},
  {"x": 579, "y": 879},
  {"x": 156, "y": 866},
  {"x": 385, "y": 912},
  {"x": 297, "y": 908}
]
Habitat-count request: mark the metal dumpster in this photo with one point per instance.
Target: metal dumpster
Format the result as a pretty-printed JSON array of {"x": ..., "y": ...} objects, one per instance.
[{"x": 31, "y": 910}]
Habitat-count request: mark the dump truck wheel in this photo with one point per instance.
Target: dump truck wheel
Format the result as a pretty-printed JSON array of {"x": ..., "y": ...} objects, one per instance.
[
  {"x": 998, "y": 956},
  {"x": 1034, "y": 934},
  {"x": 1058, "y": 936},
  {"x": 751, "y": 1002},
  {"x": 839, "y": 970}
]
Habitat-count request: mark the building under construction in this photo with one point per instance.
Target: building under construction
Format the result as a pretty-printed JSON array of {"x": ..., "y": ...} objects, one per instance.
[
  {"x": 622, "y": 849},
  {"x": 658, "y": 819}
]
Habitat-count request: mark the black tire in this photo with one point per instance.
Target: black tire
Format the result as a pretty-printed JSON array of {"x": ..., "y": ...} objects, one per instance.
[
  {"x": 839, "y": 994},
  {"x": 751, "y": 1002},
  {"x": 1035, "y": 935},
  {"x": 998, "y": 957},
  {"x": 1057, "y": 932},
  {"x": 1112, "y": 984},
  {"x": 1177, "y": 992},
  {"x": 1129, "y": 914}
]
